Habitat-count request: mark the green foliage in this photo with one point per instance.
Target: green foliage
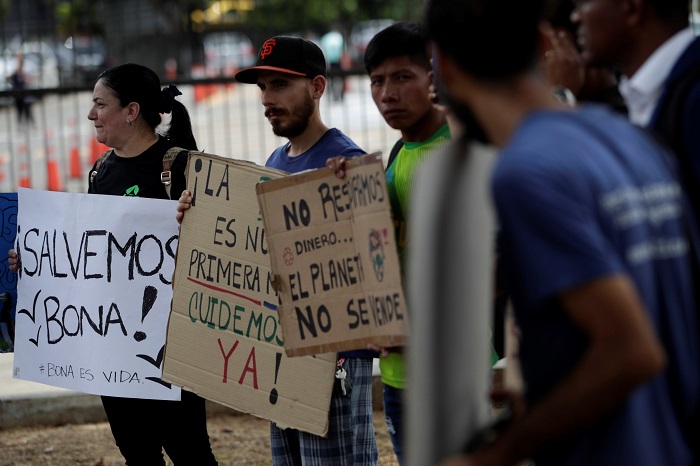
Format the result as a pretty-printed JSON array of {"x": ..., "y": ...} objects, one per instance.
[
  {"x": 278, "y": 16},
  {"x": 4, "y": 8},
  {"x": 78, "y": 16}
]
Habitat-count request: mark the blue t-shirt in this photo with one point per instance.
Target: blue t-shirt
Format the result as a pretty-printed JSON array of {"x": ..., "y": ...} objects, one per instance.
[
  {"x": 332, "y": 144},
  {"x": 583, "y": 195}
]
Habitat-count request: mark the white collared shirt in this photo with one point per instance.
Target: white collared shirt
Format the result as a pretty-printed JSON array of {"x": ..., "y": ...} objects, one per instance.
[{"x": 642, "y": 91}]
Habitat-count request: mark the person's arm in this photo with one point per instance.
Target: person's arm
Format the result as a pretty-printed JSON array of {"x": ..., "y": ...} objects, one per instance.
[{"x": 623, "y": 353}]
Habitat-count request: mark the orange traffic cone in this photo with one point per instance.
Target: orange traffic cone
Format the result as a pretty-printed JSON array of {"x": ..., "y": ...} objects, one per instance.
[
  {"x": 54, "y": 174},
  {"x": 23, "y": 180},
  {"x": 75, "y": 167},
  {"x": 96, "y": 149},
  {"x": 200, "y": 90}
]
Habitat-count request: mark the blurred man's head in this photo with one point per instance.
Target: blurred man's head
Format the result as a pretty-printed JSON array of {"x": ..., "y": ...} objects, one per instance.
[
  {"x": 398, "y": 63},
  {"x": 488, "y": 39},
  {"x": 482, "y": 44},
  {"x": 626, "y": 32}
]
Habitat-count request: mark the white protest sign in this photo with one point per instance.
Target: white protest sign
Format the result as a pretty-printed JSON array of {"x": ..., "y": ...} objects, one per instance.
[{"x": 94, "y": 292}]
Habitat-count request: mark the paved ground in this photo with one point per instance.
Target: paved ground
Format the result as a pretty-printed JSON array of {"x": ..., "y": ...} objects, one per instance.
[
  {"x": 237, "y": 440},
  {"x": 24, "y": 403},
  {"x": 29, "y": 410}
]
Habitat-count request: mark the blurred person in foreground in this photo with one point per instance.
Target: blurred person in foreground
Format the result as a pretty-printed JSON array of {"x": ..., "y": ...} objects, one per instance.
[
  {"x": 127, "y": 104},
  {"x": 450, "y": 278},
  {"x": 397, "y": 61},
  {"x": 655, "y": 49},
  {"x": 596, "y": 247},
  {"x": 451, "y": 288},
  {"x": 291, "y": 75}
]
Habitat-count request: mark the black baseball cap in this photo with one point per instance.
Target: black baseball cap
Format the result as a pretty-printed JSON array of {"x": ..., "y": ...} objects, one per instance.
[{"x": 284, "y": 54}]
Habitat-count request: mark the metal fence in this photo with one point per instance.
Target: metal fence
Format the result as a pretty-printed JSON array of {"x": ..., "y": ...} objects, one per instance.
[{"x": 56, "y": 150}]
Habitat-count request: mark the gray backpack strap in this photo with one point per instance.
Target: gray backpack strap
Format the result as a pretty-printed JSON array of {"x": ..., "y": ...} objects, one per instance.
[
  {"x": 99, "y": 163},
  {"x": 168, "y": 160}
]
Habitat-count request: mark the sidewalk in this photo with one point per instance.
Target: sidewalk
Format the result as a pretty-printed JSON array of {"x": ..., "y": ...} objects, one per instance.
[{"x": 24, "y": 403}]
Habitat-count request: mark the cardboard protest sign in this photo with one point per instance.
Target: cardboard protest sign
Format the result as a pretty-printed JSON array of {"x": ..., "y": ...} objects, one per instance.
[
  {"x": 94, "y": 292},
  {"x": 8, "y": 279},
  {"x": 224, "y": 337},
  {"x": 332, "y": 245}
]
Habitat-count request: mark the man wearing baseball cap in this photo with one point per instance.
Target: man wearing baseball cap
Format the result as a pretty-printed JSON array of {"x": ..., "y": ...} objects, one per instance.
[{"x": 291, "y": 75}]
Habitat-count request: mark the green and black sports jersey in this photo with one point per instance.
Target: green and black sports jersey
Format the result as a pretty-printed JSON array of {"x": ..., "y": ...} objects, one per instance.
[{"x": 399, "y": 178}]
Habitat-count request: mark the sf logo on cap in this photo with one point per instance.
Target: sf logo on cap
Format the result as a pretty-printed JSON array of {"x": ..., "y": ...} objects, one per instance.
[{"x": 267, "y": 48}]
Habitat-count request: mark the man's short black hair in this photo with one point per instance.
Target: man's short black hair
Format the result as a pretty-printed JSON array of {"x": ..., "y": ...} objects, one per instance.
[
  {"x": 398, "y": 40},
  {"x": 489, "y": 39},
  {"x": 671, "y": 11}
]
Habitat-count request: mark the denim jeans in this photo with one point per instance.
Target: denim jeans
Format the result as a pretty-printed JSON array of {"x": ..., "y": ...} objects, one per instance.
[{"x": 393, "y": 415}]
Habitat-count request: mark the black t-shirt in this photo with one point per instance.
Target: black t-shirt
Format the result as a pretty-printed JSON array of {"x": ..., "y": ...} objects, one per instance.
[{"x": 140, "y": 176}]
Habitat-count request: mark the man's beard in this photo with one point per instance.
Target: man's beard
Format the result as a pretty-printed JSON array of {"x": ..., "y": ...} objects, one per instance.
[
  {"x": 300, "y": 115},
  {"x": 472, "y": 128}
]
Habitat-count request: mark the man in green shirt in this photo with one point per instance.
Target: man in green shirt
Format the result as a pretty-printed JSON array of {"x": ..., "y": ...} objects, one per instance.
[{"x": 397, "y": 60}]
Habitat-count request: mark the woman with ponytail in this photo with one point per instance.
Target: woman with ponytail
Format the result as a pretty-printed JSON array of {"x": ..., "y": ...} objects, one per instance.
[{"x": 127, "y": 105}]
